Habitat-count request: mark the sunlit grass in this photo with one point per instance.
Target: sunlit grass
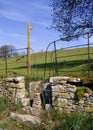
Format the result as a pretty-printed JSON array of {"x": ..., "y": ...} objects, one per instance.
[{"x": 72, "y": 62}]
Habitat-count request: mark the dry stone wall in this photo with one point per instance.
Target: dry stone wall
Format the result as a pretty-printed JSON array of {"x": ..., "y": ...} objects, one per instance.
[
  {"x": 14, "y": 90},
  {"x": 58, "y": 93},
  {"x": 64, "y": 95},
  {"x": 35, "y": 89}
]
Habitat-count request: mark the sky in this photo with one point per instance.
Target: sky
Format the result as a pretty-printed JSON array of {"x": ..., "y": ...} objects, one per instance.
[{"x": 14, "y": 16}]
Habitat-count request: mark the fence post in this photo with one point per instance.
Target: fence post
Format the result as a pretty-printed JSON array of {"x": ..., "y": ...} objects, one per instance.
[
  {"x": 56, "y": 70},
  {"x": 88, "y": 58},
  {"x": 6, "y": 68},
  {"x": 29, "y": 27}
]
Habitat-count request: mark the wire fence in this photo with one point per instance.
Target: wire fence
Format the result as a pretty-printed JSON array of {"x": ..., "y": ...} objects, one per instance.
[
  {"x": 16, "y": 63},
  {"x": 13, "y": 64},
  {"x": 76, "y": 61}
]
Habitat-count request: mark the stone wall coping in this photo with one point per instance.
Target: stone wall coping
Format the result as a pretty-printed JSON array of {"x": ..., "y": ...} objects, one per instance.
[{"x": 15, "y": 79}]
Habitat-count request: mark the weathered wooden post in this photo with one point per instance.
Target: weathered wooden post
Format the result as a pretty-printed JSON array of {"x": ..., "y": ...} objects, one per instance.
[
  {"x": 29, "y": 27},
  {"x": 89, "y": 62},
  {"x": 6, "y": 67},
  {"x": 56, "y": 69}
]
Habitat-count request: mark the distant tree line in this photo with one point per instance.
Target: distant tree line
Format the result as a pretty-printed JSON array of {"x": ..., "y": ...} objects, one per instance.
[{"x": 8, "y": 51}]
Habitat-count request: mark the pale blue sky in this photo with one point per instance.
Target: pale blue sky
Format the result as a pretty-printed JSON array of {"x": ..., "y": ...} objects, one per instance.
[{"x": 14, "y": 16}]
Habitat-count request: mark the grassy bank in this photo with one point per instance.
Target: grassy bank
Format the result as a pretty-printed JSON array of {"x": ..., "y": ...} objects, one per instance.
[
  {"x": 72, "y": 62},
  {"x": 51, "y": 120}
]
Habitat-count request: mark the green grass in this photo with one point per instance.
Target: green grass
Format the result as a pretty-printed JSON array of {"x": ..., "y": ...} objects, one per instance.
[
  {"x": 51, "y": 120},
  {"x": 70, "y": 62}
]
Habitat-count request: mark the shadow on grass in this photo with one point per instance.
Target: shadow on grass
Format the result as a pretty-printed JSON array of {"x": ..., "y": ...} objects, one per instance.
[{"x": 64, "y": 64}]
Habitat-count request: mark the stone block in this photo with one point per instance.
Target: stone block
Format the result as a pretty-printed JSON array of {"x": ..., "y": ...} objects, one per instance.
[
  {"x": 25, "y": 118},
  {"x": 61, "y": 102},
  {"x": 20, "y": 86},
  {"x": 58, "y": 88},
  {"x": 71, "y": 88},
  {"x": 25, "y": 102},
  {"x": 58, "y": 79},
  {"x": 36, "y": 87}
]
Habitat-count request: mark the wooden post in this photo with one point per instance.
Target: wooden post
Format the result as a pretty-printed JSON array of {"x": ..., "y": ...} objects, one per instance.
[
  {"x": 56, "y": 69},
  {"x": 6, "y": 65},
  {"x": 29, "y": 27},
  {"x": 88, "y": 57}
]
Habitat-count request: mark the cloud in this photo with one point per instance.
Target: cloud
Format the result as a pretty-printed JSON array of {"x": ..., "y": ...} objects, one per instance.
[
  {"x": 13, "y": 35},
  {"x": 18, "y": 40},
  {"x": 29, "y": 11},
  {"x": 42, "y": 23},
  {"x": 13, "y": 15},
  {"x": 40, "y": 5}
]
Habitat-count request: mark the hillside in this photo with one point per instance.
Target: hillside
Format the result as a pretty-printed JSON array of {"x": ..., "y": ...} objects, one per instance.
[{"x": 71, "y": 62}]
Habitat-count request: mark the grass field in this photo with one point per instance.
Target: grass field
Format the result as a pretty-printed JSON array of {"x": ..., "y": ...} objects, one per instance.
[{"x": 71, "y": 62}]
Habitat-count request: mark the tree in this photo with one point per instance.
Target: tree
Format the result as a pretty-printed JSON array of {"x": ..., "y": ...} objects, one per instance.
[
  {"x": 7, "y": 51},
  {"x": 72, "y": 18}
]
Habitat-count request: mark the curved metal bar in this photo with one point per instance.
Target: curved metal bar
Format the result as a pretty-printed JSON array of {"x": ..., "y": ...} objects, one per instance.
[{"x": 46, "y": 54}]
